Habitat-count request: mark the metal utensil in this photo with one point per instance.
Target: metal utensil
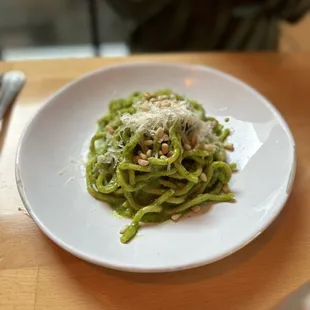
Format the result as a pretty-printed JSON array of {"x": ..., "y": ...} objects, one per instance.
[{"x": 11, "y": 84}]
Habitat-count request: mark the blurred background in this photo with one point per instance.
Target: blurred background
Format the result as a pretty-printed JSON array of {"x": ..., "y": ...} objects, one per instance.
[{"x": 40, "y": 29}]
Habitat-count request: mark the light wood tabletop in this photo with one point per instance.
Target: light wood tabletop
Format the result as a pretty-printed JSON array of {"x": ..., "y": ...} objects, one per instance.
[{"x": 36, "y": 274}]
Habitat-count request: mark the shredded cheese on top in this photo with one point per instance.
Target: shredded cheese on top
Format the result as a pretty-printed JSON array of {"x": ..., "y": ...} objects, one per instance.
[
  {"x": 150, "y": 120},
  {"x": 150, "y": 116}
]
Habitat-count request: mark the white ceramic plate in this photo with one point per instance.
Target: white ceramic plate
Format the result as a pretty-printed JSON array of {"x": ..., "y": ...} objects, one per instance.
[{"x": 51, "y": 183}]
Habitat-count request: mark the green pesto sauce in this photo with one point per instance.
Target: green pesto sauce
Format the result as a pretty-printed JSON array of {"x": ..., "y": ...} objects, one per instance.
[
  {"x": 147, "y": 218},
  {"x": 111, "y": 184}
]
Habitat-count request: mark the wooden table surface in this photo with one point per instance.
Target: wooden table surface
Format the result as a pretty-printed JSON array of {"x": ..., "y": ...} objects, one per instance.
[{"x": 36, "y": 274}]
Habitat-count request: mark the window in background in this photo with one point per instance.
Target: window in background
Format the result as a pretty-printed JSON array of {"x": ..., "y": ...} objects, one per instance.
[{"x": 35, "y": 29}]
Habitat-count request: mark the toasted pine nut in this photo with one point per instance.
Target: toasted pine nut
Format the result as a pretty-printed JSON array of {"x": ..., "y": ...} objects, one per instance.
[
  {"x": 148, "y": 95},
  {"x": 148, "y": 142},
  {"x": 203, "y": 177},
  {"x": 153, "y": 99},
  {"x": 197, "y": 146},
  {"x": 143, "y": 162},
  {"x": 160, "y": 153},
  {"x": 163, "y": 157},
  {"x": 170, "y": 154},
  {"x": 123, "y": 229},
  {"x": 145, "y": 106},
  {"x": 196, "y": 209},
  {"x": 225, "y": 188},
  {"x": 163, "y": 97},
  {"x": 165, "y": 104},
  {"x": 229, "y": 146},
  {"x": 149, "y": 153},
  {"x": 175, "y": 217},
  {"x": 187, "y": 147},
  {"x": 159, "y": 132},
  {"x": 142, "y": 155},
  {"x": 109, "y": 129},
  {"x": 165, "y": 148},
  {"x": 194, "y": 140},
  {"x": 208, "y": 147}
]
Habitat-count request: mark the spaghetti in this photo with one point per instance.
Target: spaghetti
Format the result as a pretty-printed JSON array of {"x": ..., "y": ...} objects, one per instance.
[{"x": 156, "y": 156}]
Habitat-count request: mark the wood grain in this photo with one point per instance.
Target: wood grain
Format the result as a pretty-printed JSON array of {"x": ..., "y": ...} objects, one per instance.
[{"x": 36, "y": 274}]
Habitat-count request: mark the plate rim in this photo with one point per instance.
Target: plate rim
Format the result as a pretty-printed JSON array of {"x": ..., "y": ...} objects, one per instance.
[{"x": 147, "y": 269}]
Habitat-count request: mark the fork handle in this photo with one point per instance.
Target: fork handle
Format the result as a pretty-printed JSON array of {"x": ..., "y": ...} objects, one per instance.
[{"x": 12, "y": 83}]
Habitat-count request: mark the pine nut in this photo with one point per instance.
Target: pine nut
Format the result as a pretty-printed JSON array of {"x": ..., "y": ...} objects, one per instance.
[
  {"x": 123, "y": 229},
  {"x": 203, "y": 177},
  {"x": 165, "y": 104},
  {"x": 170, "y": 154},
  {"x": 229, "y": 146},
  {"x": 142, "y": 155},
  {"x": 225, "y": 188},
  {"x": 208, "y": 147},
  {"x": 158, "y": 105},
  {"x": 196, "y": 209},
  {"x": 148, "y": 95},
  {"x": 109, "y": 129},
  {"x": 175, "y": 217},
  {"x": 159, "y": 132},
  {"x": 149, "y": 153},
  {"x": 165, "y": 148},
  {"x": 187, "y": 147},
  {"x": 197, "y": 146},
  {"x": 163, "y": 157},
  {"x": 160, "y": 153},
  {"x": 148, "y": 142},
  {"x": 143, "y": 162},
  {"x": 194, "y": 140},
  {"x": 145, "y": 106}
]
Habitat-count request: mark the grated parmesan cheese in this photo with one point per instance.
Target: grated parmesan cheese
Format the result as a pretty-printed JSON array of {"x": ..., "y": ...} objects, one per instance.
[
  {"x": 159, "y": 116},
  {"x": 161, "y": 113}
]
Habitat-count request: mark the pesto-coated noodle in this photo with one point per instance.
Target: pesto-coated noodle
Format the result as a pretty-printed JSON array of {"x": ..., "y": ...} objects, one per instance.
[{"x": 156, "y": 155}]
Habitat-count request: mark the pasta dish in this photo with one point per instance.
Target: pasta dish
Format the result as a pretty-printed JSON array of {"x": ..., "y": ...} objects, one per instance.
[{"x": 157, "y": 156}]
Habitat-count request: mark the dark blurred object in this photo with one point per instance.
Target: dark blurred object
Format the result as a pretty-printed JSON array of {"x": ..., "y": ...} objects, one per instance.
[
  {"x": 93, "y": 18},
  {"x": 174, "y": 25}
]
